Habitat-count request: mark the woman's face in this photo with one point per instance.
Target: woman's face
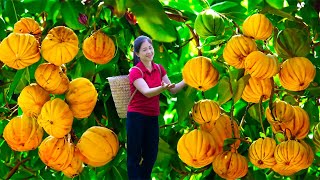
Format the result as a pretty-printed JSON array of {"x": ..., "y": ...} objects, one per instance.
[{"x": 146, "y": 52}]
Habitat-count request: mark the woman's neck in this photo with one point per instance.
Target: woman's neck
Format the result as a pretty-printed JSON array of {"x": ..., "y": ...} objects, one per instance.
[{"x": 148, "y": 65}]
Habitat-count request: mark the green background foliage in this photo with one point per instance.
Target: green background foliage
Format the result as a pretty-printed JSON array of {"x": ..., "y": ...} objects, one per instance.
[{"x": 170, "y": 24}]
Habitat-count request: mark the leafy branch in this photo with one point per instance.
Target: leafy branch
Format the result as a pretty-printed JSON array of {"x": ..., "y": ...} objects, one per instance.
[{"x": 15, "y": 168}]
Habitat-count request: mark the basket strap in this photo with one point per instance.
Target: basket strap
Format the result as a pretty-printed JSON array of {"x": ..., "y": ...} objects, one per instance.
[{"x": 135, "y": 91}]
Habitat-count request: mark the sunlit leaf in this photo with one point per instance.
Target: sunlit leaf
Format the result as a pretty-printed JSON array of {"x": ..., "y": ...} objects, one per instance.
[
  {"x": 241, "y": 84},
  {"x": 70, "y": 11},
  {"x": 224, "y": 90},
  {"x": 152, "y": 20}
]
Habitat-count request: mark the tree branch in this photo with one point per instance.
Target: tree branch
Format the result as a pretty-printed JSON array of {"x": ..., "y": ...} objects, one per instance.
[
  {"x": 16, "y": 167},
  {"x": 166, "y": 125}
]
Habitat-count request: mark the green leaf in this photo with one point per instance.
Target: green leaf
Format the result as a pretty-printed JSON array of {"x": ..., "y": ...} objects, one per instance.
[
  {"x": 224, "y": 90},
  {"x": 3, "y": 26},
  {"x": 185, "y": 102},
  {"x": 18, "y": 79},
  {"x": 254, "y": 112},
  {"x": 70, "y": 11},
  {"x": 12, "y": 10},
  {"x": 152, "y": 20},
  {"x": 252, "y": 4},
  {"x": 223, "y": 6},
  {"x": 227, "y": 143},
  {"x": 313, "y": 111},
  {"x": 278, "y": 4},
  {"x": 165, "y": 147},
  {"x": 241, "y": 84},
  {"x": 35, "y": 6},
  {"x": 119, "y": 6}
]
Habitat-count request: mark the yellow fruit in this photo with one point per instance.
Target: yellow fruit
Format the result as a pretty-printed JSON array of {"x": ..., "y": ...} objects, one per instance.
[
  {"x": 19, "y": 50},
  {"x": 74, "y": 168},
  {"x": 261, "y": 153},
  {"x": 257, "y": 26},
  {"x": 237, "y": 49},
  {"x": 291, "y": 157},
  {"x": 257, "y": 88},
  {"x": 52, "y": 78},
  {"x": 230, "y": 165},
  {"x": 221, "y": 130},
  {"x": 296, "y": 73},
  {"x": 205, "y": 110},
  {"x": 99, "y": 48},
  {"x": 56, "y": 118},
  {"x": 282, "y": 112},
  {"x": 261, "y": 66},
  {"x": 31, "y": 99},
  {"x": 97, "y": 146},
  {"x": 199, "y": 73},
  {"x": 197, "y": 148},
  {"x": 28, "y": 25},
  {"x": 81, "y": 97},
  {"x": 60, "y": 45},
  {"x": 23, "y": 133},
  {"x": 56, "y": 153}
]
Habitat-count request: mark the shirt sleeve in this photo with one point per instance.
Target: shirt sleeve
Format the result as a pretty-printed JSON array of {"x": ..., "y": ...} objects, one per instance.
[
  {"x": 134, "y": 74},
  {"x": 163, "y": 71}
]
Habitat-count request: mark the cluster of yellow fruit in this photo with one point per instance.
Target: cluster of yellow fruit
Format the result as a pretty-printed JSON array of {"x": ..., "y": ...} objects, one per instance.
[
  {"x": 292, "y": 154},
  {"x": 97, "y": 145},
  {"x": 203, "y": 146}
]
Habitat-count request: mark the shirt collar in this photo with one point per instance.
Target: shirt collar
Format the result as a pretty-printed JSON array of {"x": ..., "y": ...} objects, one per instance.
[{"x": 144, "y": 69}]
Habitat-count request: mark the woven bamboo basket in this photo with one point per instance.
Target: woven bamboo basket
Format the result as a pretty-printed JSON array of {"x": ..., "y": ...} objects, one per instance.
[{"x": 120, "y": 90}]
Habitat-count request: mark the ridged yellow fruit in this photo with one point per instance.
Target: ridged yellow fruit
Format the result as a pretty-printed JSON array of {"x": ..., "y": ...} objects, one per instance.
[
  {"x": 28, "y": 25},
  {"x": 205, "y": 110},
  {"x": 19, "y": 50},
  {"x": 230, "y": 165},
  {"x": 97, "y": 146},
  {"x": 56, "y": 118},
  {"x": 223, "y": 128},
  {"x": 296, "y": 73},
  {"x": 257, "y": 88},
  {"x": 261, "y": 153},
  {"x": 52, "y": 78},
  {"x": 99, "y": 48},
  {"x": 74, "y": 168},
  {"x": 60, "y": 45},
  {"x": 237, "y": 49},
  {"x": 23, "y": 133},
  {"x": 32, "y": 98},
  {"x": 261, "y": 66},
  {"x": 81, "y": 97},
  {"x": 291, "y": 157},
  {"x": 197, "y": 148},
  {"x": 57, "y": 153},
  {"x": 282, "y": 112},
  {"x": 199, "y": 73},
  {"x": 257, "y": 26}
]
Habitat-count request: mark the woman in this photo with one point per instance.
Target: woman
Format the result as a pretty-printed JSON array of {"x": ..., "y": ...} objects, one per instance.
[{"x": 150, "y": 80}]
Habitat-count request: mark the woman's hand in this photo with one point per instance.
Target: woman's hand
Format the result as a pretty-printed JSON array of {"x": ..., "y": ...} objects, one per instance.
[{"x": 166, "y": 86}]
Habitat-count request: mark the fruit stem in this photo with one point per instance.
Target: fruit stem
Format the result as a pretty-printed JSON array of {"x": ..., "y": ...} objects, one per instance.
[{"x": 260, "y": 114}]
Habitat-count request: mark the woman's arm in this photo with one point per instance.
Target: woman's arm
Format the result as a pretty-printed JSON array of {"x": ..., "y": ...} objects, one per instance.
[
  {"x": 143, "y": 87},
  {"x": 176, "y": 87}
]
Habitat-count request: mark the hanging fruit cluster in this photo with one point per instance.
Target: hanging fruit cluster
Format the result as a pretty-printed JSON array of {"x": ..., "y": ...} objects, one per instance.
[
  {"x": 216, "y": 135},
  {"x": 42, "y": 110}
]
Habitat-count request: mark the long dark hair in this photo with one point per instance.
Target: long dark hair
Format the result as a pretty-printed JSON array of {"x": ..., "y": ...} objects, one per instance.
[{"x": 136, "y": 47}]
